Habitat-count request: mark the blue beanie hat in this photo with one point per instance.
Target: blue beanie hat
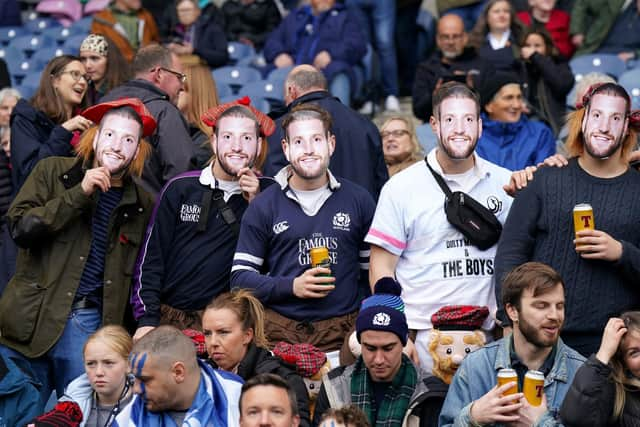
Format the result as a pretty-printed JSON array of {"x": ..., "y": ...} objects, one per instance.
[{"x": 384, "y": 311}]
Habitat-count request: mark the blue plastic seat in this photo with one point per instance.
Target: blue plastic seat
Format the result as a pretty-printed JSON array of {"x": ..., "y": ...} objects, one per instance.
[
  {"x": 19, "y": 69},
  {"x": 603, "y": 63},
  {"x": 82, "y": 25},
  {"x": 41, "y": 58},
  {"x": 9, "y": 33},
  {"x": 630, "y": 80},
  {"x": 263, "y": 89},
  {"x": 40, "y": 24},
  {"x": 238, "y": 51},
  {"x": 224, "y": 90},
  {"x": 31, "y": 43},
  {"x": 61, "y": 34},
  {"x": 11, "y": 54},
  {"x": 72, "y": 43},
  {"x": 279, "y": 74},
  {"x": 236, "y": 76}
]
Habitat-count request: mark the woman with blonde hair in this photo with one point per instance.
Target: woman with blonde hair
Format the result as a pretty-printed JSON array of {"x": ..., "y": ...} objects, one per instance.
[
  {"x": 400, "y": 144},
  {"x": 105, "y": 388},
  {"x": 233, "y": 326},
  {"x": 606, "y": 389}
]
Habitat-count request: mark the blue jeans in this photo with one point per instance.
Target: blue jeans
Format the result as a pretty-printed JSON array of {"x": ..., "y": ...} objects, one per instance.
[
  {"x": 381, "y": 18},
  {"x": 469, "y": 14},
  {"x": 64, "y": 361},
  {"x": 340, "y": 87}
]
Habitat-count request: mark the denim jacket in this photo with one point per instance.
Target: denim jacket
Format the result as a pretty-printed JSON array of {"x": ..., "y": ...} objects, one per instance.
[{"x": 477, "y": 375}]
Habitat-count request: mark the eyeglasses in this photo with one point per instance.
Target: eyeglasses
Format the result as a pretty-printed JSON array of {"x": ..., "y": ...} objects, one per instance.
[
  {"x": 77, "y": 75},
  {"x": 398, "y": 133},
  {"x": 180, "y": 76}
]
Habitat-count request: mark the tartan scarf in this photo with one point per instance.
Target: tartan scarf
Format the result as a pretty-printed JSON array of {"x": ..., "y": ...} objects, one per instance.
[{"x": 392, "y": 409}]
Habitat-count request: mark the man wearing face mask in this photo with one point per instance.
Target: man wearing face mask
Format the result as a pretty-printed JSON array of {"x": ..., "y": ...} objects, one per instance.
[
  {"x": 601, "y": 265},
  {"x": 79, "y": 223},
  {"x": 411, "y": 237},
  {"x": 188, "y": 249},
  {"x": 308, "y": 209}
]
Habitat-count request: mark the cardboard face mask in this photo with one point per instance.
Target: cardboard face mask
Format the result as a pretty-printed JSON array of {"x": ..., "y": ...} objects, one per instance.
[{"x": 449, "y": 348}]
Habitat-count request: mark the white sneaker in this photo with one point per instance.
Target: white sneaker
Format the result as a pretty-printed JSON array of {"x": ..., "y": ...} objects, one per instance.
[
  {"x": 366, "y": 109},
  {"x": 392, "y": 104}
]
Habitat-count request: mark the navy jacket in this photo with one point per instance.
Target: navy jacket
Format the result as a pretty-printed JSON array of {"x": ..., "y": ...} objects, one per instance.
[
  {"x": 34, "y": 136},
  {"x": 209, "y": 41},
  {"x": 303, "y": 36},
  {"x": 253, "y": 21},
  {"x": 19, "y": 395},
  {"x": 357, "y": 138}
]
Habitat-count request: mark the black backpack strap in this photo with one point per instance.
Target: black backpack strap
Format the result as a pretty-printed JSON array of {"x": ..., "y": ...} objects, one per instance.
[
  {"x": 204, "y": 212},
  {"x": 439, "y": 180},
  {"x": 225, "y": 211}
]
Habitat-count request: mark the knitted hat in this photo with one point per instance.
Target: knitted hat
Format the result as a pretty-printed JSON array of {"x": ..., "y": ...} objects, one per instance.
[
  {"x": 459, "y": 317},
  {"x": 383, "y": 311},
  {"x": 98, "y": 111},
  {"x": 307, "y": 358},
  {"x": 267, "y": 126},
  {"x": 491, "y": 86},
  {"x": 95, "y": 43}
]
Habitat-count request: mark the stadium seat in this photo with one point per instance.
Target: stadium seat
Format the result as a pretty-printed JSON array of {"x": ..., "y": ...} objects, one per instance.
[
  {"x": 264, "y": 90},
  {"x": 630, "y": 80},
  {"x": 223, "y": 90},
  {"x": 61, "y": 34},
  {"x": 279, "y": 74},
  {"x": 41, "y": 57},
  {"x": 82, "y": 25},
  {"x": 603, "y": 63},
  {"x": 31, "y": 43},
  {"x": 66, "y": 11},
  {"x": 40, "y": 24},
  {"x": 11, "y": 54},
  {"x": 9, "y": 33},
  {"x": 235, "y": 76},
  {"x": 32, "y": 79},
  {"x": 72, "y": 44},
  {"x": 19, "y": 69},
  {"x": 238, "y": 51}
]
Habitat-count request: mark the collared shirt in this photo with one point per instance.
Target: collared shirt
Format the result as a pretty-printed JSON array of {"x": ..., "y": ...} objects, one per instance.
[
  {"x": 521, "y": 368},
  {"x": 228, "y": 187}
]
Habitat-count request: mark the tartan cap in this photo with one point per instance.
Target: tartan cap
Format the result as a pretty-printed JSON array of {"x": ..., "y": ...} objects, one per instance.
[
  {"x": 211, "y": 116},
  {"x": 384, "y": 311},
  {"x": 307, "y": 358},
  {"x": 459, "y": 317},
  {"x": 198, "y": 341},
  {"x": 98, "y": 111}
]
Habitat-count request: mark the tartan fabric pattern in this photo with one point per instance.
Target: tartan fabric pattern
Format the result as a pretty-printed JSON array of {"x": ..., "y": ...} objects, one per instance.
[
  {"x": 307, "y": 358},
  {"x": 64, "y": 414},
  {"x": 197, "y": 338},
  {"x": 460, "y": 317},
  {"x": 211, "y": 116},
  {"x": 392, "y": 409}
]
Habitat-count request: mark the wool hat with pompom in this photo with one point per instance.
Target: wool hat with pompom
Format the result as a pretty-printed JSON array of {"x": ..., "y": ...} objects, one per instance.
[{"x": 384, "y": 311}]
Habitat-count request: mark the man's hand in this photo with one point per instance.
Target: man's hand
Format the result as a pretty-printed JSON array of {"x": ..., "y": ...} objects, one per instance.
[
  {"x": 625, "y": 56},
  {"x": 530, "y": 414},
  {"x": 410, "y": 350},
  {"x": 519, "y": 180},
  {"x": 78, "y": 123},
  {"x": 556, "y": 160},
  {"x": 283, "y": 60},
  {"x": 493, "y": 407},
  {"x": 322, "y": 60},
  {"x": 596, "y": 244},
  {"x": 96, "y": 179},
  {"x": 526, "y": 52},
  {"x": 611, "y": 337},
  {"x": 577, "y": 40},
  {"x": 310, "y": 285},
  {"x": 249, "y": 183},
  {"x": 142, "y": 331}
]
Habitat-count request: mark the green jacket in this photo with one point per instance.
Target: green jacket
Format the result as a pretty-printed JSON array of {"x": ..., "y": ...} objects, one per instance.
[
  {"x": 50, "y": 220},
  {"x": 594, "y": 19}
]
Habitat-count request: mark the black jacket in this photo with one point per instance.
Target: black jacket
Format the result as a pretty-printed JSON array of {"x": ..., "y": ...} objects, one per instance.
[
  {"x": 209, "y": 41},
  {"x": 34, "y": 136},
  {"x": 589, "y": 401},
  {"x": 172, "y": 146},
  {"x": 547, "y": 81},
  {"x": 358, "y": 155},
  {"x": 430, "y": 71},
  {"x": 253, "y": 22},
  {"x": 6, "y": 187},
  {"x": 260, "y": 361}
]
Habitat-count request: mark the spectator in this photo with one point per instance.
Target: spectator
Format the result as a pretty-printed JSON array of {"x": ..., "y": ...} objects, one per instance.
[
  {"x": 380, "y": 18},
  {"x": 105, "y": 65},
  {"x": 544, "y": 14},
  {"x": 250, "y": 21},
  {"x": 547, "y": 78},
  {"x": 187, "y": 255},
  {"x": 454, "y": 60},
  {"x": 233, "y": 326},
  {"x": 533, "y": 295},
  {"x": 7, "y": 246},
  {"x": 496, "y": 35},
  {"x": 606, "y": 27},
  {"x": 604, "y": 390},
  {"x": 509, "y": 138},
  {"x": 383, "y": 382},
  {"x": 268, "y": 400},
  {"x": 128, "y": 25},
  {"x": 400, "y": 144},
  {"x": 173, "y": 387},
  {"x": 68, "y": 215},
  {"x": 105, "y": 387},
  {"x": 468, "y": 10},
  {"x": 356, "y": 136},
  {"x": 8, "y": 99},
  {"x": 600, "y": 265},
  {"x": 5, "y": 78},
  {"x": 157, "y": 82},
  {"x": 324, "y": 34},
  {"x": 198, "y": 34},
  {"x": 48, "y": 125},
  {"x": 347, "y": 416},
  {"x": 199, "y": 95},
  {"x": 308, "y": 208},
  {"x": 19, "y": 397},
  {"x": 410, "y": 236}
]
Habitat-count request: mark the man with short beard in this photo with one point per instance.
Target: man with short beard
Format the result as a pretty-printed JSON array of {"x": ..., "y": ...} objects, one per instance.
[
  {"x": 188, "y": 250},
  {"x": 308, "y": 208},
  {"x": 533, "y": 296},
  {"x": 410, "y": 235},
  {"x": 601, "y": 266}
]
